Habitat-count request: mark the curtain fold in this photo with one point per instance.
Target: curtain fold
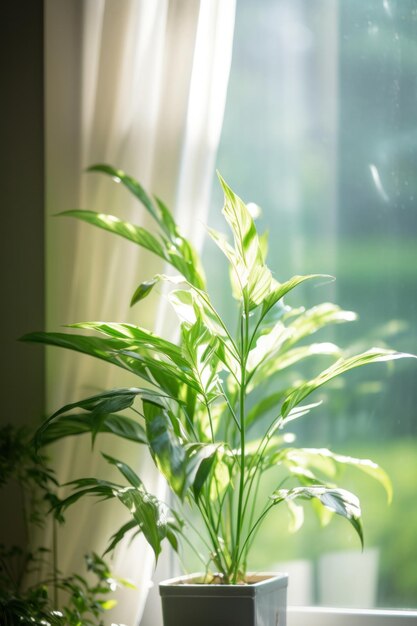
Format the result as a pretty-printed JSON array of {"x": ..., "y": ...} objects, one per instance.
[{"x": 139, "y": 84}]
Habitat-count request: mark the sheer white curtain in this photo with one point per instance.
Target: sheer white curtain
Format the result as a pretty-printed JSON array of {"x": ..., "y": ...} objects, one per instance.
[{"x": 140, "y": 84}]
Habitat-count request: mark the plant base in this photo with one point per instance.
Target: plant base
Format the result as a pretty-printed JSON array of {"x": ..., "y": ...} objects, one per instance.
[{"x": 261, "y": 602}]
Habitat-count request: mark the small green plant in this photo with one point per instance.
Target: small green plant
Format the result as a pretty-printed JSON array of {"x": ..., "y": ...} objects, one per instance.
[
  {"x": 21, "y": 463},
  {"x": 215, "y": 407},
  {"x": 54, "y": 599},
  {"x": 82, "y": 601}
]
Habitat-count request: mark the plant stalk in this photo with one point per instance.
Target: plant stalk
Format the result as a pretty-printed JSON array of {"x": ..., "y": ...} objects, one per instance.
[{"x": 244, "y": 327}]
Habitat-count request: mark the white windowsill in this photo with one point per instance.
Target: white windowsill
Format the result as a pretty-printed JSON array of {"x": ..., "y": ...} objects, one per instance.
[{"x": 318, "y": 616}]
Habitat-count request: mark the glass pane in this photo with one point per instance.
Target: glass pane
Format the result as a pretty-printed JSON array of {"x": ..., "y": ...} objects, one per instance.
[{"x": 320, "y": 130}]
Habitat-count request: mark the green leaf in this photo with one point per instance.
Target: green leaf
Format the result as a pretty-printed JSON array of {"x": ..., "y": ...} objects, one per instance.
[
  {"x": 78, "y": 424},
  {"x": 193, "y": 305},
  {"x": 134, "y": 336},
  {"x": 325, "y": 460},
  {"x": 87, "y": 487},
  {"x": 252, "y": 275},
  {"x": 166, "y": 375},
  {"x": 166, "y": 220},
  {"x": 178, "y": 250},
  {"x": 143, "y": 290},
  {"x": 339, "y": 501},
  {"x": 142, "y": 237},
  {"x": 306, "y": 472},
  {"x": 120, "y": 534},
  {"x": 188, "y": 399},
  {"x": 182, "y": 465},
  {"x": 143, "y": 363},
  {"x": 150, "y": 515},
  {"x": 270, "y": 364},
  {"x": 242, "y": 225},
  {"x": 98, "y": 347},
  {"x": 167, "y": 451},
  {"x": 175, "y": 527},
  {"x": 281, "y": 290},
  {"x": 199, "y": 347},
  {"x": 290, "y": 357},
  {"x": 125, "y": 470},
  {"x": 259, "y": 283},
  {"x": 309, "y": 322},
  {"x": 108, "y": 604},
  {"x": 127, "y": 230},
  {"x": 199, "y": 463},
  {"x": 173, "y": 540},
  {"x": 148, "y": 512},
  {"x": 296, "y": 516},
  {"x": 133, "y": 186},
  {"x": 100, "y": 406},
  {"x": 185, "y": 267},
  {"x": 181, "y": 253},
  {"x": 146, "y": 287},
  {"x": 374, "y": 355},
  {"x": 238, "y": 271},
  {"x": 221, "y": 477},
  {"x": 266, "y": 404}
]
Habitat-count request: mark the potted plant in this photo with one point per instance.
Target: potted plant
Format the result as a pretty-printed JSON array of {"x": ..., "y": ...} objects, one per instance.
[{"x": 205, "y": 412}]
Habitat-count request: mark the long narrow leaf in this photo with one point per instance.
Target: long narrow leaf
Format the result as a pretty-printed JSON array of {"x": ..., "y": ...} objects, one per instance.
[
  {"x": 135, "y": 335},
  {"x": 127, "y": 230},
  {"x": 252, "y": 275},
  {"x": 199, "y": 463},
  {"x": 82, "y": 423},
  {"x": 338, "y": 501},
  {"x": 166, "y": 448},
  {"x": 147, "y": 511},
  {"x": 125, "y": 470},
  {"x": 270, "y": 365},
  {"x": 112, "y": 350},
  {"x": 146, "y": 359},
  {"x": 100, "y": 407},
  {"x": 98, "y": 347},
  {"x": 326, "y": 461},
  {"x": 306, "y": 323},
  {"x": 120, "y": 534},
  {"x": 281, "y": 290},
  {"x": 131, "y": 184},
  {"x": 177, "y": 249},
  {"x": 374, "y": 355}
]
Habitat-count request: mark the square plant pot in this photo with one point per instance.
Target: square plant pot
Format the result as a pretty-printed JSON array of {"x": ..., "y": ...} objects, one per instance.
[{"x": 261, "y": 602}]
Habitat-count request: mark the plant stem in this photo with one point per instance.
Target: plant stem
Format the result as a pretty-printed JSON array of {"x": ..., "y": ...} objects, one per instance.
[
  {"x": 55, "y": 560},
  {"x": 252, "y": 512},
  {"x": 206, "y": 402},
  {"x": 205, "y": 298},
  {"x": 194, "y": 549},
  {"x": 210, "y": 526},
  {"x": 259, "y": 456},
  {"x": 233, "y": 414},
  {"x": 25, "y": 513},
  {"x": 254, "y": 527},
  {"x": 199, "y": 534},
  {"x": 244, "y": 327},
  {"x": 220, "y": 521}
]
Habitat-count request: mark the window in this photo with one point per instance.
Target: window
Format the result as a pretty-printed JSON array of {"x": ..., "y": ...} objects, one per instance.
[{"x": 320, "y": 130}]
